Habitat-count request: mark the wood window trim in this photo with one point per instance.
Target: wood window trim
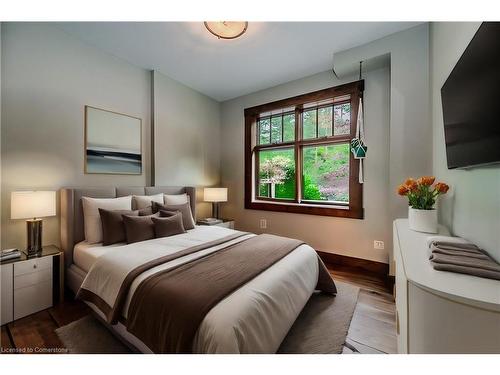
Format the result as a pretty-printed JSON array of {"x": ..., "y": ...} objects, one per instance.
[{"x": 354, "y": 209}]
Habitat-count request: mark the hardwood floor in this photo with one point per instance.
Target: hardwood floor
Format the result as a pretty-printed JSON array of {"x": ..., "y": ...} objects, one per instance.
[
  {"x": 373, "y": 325},
  {"x": 372, "y": 329}
]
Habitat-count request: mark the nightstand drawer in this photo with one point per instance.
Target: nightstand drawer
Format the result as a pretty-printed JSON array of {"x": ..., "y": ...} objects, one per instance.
[
  {"x": 33, "y": 278},
  {"x": 32, "y": 299},
  {"x": 32, "y": 265},
  {"x": 6, "y": 293}
]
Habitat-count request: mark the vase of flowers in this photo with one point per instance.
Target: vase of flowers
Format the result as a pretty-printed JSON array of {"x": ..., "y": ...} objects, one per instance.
[{"x": 422, "y": 195}]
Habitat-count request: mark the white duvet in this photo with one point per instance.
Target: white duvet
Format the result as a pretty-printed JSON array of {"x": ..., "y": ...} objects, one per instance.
[{"x": 253, "y": 319}]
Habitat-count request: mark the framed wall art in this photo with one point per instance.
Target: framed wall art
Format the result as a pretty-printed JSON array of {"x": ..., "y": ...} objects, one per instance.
[{"x": 113, "y": 142}]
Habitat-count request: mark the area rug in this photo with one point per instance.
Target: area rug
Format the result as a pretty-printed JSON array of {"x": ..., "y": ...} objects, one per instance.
[{"x": 321, "y": 328}]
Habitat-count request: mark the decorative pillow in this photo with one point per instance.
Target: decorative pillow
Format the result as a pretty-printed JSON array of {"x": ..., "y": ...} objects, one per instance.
[
  {"x": 92, "y": 219},
  {"x": 139, "y": 228},
  {"x": 146, "y": 211},
  {"x": 168, "y": 226},
  {"x": 163, "y": 213},
  {"x": 113, "y": 230},
  {"x": 144, "y": 201},
  {"x": 185, "y": 209},
  {"x": 171, "y": 199}
]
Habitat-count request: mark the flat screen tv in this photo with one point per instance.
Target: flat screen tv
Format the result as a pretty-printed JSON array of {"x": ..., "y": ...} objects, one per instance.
[{"x": 471, "y": 102}]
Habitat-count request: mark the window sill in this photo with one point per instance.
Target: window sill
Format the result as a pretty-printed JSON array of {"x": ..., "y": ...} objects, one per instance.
[{"x": 308, "y": 209}]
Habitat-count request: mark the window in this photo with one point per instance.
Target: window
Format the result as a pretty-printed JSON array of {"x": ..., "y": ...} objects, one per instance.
[
  {"x": 297, "y": 154},
  {"x": 277, "y": 173}
]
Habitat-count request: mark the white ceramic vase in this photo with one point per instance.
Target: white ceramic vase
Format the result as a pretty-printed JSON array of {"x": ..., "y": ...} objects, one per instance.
[{"x": 423, "y": 220}]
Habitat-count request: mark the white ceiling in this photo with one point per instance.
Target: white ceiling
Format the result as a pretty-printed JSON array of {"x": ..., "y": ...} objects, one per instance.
[{"x": 268, "y": 54}]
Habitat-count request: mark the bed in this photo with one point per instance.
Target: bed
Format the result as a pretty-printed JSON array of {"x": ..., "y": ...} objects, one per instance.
[{"x": 254, "y": 318}]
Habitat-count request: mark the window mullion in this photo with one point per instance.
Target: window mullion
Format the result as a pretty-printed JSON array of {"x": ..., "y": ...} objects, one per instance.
[
  {"x": 317, "y": 123},
  {"x": 258, "y": 133},
  {"x": 333, "y": 120},
  {"x": 257, "y": 175},
  {"x": 298, "y": 161},
  {"x": 325, "y": 141},
  {"x": 298, "y": 173},
  {"x": 282, "y": 128}
]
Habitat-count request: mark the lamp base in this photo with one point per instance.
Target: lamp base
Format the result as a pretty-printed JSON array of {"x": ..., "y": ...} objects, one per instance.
[
  {"x": 215, "y": 210},
  {"x": 34, "y": 236}
]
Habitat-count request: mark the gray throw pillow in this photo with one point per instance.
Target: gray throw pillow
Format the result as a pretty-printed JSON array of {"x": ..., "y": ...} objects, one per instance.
[
  {"x": 168, "y": 226},
  {"x": 164, "y": 213},
  {"x": 139, "y": 228},
  {"x": 113, "y": 229},
  {"x": 146, "y": 211},
  {"x": 185, "y": 209}
]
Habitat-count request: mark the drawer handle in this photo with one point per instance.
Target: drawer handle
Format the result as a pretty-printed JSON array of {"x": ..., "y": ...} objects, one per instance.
[{"x": 34, "y": 265}]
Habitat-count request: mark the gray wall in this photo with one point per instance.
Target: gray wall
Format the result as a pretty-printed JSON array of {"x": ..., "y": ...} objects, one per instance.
[
  {"x": 403, "y": 149},
  {"x": 47, "y": 78},
  {"x": 187, "y": 137},
  {"x": 410, "y": 128},
  {"x": 410, "y": 146},
  {"x": 338, "y": 235},
  {"x": 471, "y": 209}
]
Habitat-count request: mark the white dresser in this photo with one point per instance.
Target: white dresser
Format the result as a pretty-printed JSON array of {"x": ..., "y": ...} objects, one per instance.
[
  {"x": 437, "y": 311},
  {"x": 27, "y": 285}
]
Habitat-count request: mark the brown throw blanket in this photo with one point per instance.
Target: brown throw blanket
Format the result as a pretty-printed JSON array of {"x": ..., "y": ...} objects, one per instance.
[
  {"x": 169, "y": 306},
  {"x": 112, "y": 313}
]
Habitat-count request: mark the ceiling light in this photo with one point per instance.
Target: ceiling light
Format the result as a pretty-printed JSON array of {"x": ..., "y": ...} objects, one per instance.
[{"x": 226, "y": 29}]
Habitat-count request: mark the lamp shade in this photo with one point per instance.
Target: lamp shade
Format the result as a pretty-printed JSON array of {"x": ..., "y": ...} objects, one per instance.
[
  {"x": 32, "y": 204},
  {"x": 215, "y": 194}
]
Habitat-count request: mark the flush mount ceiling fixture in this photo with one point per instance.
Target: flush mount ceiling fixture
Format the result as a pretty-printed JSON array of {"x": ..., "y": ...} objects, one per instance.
[{"x": 226, "y": 29}]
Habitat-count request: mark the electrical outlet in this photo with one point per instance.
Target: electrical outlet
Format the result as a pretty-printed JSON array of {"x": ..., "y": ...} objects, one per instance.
[
  {"x": 263, "y": 223},
  {"x": 379, "y": 245}
]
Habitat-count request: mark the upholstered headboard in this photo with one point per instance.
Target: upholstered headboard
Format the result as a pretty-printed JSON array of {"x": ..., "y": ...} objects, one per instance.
[{"x": 72, "y": 230}]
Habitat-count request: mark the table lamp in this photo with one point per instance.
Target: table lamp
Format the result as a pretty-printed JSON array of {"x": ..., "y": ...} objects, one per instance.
[
  {"x": 33, "y": 205},
  {"x": 215, "y": 195}
]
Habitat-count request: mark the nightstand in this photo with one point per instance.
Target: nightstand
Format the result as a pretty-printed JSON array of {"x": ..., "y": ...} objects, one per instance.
[
  {"x": 31, "y": 284},
  {"x": 226, "y": 223}
]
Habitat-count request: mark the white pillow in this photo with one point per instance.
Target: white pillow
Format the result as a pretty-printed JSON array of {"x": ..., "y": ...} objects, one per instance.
[
  {"x": 143, "y": 201},
  {"x": 175, "y": 199},
  {"x": 92, "y": 218}
]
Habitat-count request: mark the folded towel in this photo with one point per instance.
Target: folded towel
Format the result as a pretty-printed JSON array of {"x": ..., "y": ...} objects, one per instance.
[
  {"x": 455, "y": 254},
  {"x": 466, "y": 261},
  {"x": 480, "y": 272},
  {"x": 468, "y": 253},
  {"x": 448, "y": 239},
  {"x": 450, "y": 243},
  {"x": 468, "y": 247}
]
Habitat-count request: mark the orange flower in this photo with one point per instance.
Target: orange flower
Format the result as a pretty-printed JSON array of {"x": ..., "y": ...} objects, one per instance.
[
  {"x": 442, "y": 188},
  {"x": 426, "y": 180},
  {"x": 411, "y": 184},
  {"x": 402, "y": 190}
]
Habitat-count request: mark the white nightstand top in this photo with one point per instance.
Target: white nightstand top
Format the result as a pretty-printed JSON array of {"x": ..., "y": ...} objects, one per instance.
[
  {"x": 48, "y": 250},
  {"x": 198, "y": 222}
]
